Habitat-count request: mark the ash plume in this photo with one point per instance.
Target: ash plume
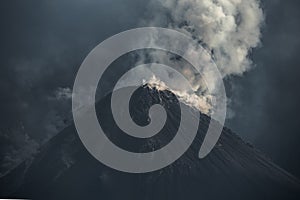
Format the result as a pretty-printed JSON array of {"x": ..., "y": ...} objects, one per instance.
[{"x": 227, "y": 29}]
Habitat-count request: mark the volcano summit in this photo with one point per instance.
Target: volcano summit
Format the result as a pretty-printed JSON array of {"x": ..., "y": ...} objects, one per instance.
[{"x": 63, "y": 169}]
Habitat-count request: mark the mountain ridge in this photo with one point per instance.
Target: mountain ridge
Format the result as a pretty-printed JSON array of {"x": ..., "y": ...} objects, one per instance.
[{"x": 233, "y": 170}]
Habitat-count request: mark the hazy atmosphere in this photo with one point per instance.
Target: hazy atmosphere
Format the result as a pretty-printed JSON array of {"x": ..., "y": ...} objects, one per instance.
[{"x": 43, "y": 43}]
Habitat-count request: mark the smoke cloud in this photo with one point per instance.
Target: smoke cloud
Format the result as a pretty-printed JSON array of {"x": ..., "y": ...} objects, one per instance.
[{"x": 227, "y": 29}]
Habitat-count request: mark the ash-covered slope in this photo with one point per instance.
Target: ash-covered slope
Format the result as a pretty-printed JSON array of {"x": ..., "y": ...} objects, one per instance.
[{"x": 63, "y": 169}]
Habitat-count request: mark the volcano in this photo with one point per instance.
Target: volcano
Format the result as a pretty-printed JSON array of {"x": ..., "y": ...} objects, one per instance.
[{"x": 63, "y": 168}]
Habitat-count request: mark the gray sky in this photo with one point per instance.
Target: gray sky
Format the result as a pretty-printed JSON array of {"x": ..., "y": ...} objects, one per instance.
[
  {"x": 268, "y": 96},
  {"x": 44, "y": 42}
]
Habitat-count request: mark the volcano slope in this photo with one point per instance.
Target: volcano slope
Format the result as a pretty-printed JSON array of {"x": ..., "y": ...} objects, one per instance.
[{"x": 63, "y": 169}]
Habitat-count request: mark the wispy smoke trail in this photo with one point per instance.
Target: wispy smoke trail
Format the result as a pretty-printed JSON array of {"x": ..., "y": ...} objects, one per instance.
[
  {"x": 193, "y": 100},
  {"x": 227, "y": 29}
]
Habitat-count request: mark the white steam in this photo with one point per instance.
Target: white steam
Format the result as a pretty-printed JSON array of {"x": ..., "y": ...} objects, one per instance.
[
  {"x": 227, "y": 29},
  {"x": 199, "y": 102}
]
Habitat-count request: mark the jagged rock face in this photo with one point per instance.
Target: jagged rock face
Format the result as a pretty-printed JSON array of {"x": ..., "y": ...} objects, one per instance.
[{"x": 63, "y": 169}]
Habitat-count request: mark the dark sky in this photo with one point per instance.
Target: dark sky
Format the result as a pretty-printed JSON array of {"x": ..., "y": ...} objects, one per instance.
[
  {"x": 268, "y": 95},
  {"x": 44, "y": 42}
]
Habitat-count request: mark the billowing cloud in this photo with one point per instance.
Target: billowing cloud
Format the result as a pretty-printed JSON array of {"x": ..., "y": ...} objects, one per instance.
[{"x": 227, "y": 29}]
